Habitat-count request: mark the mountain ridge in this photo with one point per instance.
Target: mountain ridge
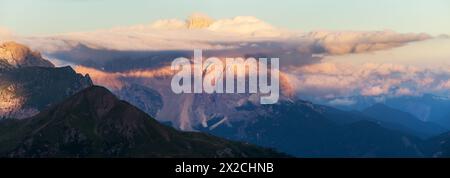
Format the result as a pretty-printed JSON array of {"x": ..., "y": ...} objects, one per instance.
[
  {"x": 15, "y": 55},
  {"x": 404, "y": 121},
  {"x": 30, "y": 83},
  {"x": 94, "y": 123},
  {"x": 304, "y": 129}
]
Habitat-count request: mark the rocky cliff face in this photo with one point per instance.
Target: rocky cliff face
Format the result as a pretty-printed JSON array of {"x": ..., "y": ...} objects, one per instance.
[
  {"x": 142, "y": 97},
  {"x": 14, "y": 55},
  {"x": 30, "y": 83},
  {"x": 198, "y": 21}
]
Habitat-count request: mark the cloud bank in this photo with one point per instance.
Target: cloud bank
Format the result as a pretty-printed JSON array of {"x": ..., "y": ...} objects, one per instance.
[
  {"x": 330, "y": 80},
  {"x": 115, "y": 80},
  {"x": 358, "y": 42},
  {"x": 202, "y": 32}
]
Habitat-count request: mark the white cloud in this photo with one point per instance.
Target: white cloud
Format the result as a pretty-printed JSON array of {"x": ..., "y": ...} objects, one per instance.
[
  {"x": 114, "y": 80},
  {"x": 248, "y": 26},
  {"x": 168, "y": 24},
  {"x": 444, "y": 85},
  {"x": 200, "y": 31},
  {"x": 245, "y": 25},
  {"x": 369, "y": 79},
  {"x": 403, "y": 92},
  {"x": 342, "y": 102},
  {"x": 375, "y": 90}
]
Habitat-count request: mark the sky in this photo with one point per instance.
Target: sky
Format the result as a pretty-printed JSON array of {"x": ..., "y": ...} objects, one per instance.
[{"x": 32, "y": 17}]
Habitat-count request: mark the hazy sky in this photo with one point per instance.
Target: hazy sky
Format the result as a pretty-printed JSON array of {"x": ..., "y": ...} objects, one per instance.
[{"x": 28, "y": 17}]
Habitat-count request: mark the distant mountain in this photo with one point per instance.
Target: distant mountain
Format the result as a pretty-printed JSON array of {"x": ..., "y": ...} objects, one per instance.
[
  {"x": 94, "y": 123},
  {"x": 29, "y": 83},
  {"x": 146, "y": 99},
  {"x": 306, "y": 130},
  {"x": 399, "y": 120},
  {"x": 439, "y": 146},
  {"x": 299, "y": 128},
  {"x": 427, "y": 107},
  {"x": 14, "y": 55}
]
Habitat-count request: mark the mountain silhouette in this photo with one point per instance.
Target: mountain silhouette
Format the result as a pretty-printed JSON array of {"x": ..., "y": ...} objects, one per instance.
[{"x": 94, "y": 123}]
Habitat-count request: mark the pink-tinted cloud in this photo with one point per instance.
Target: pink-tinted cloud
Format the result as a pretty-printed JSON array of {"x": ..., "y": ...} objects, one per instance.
[
  {"x": 109, "y": 80},
  {"x": 370, "y": 79},
  {"x": 241, "y": 32}
]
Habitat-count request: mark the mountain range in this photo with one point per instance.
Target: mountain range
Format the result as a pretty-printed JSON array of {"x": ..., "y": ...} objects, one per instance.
[
  {"x": 427, "y": 107},
  {"x": 94, "y": 123},
  {"x": 15, "y": 55},
  {"x": 303, "y": 129},
  {"x": 30, "y": 83},
  {"x": 55, "y": 112},
  {"x": 406, "y": 122}
]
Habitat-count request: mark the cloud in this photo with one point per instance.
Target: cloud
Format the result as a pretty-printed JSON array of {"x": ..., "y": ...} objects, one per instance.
[
  {"x": 107, "y": 79},
  {"x": 318, "y": 68},
  {"x": 199, "y": 20},
  {"x": 322, "y": 80},
  {"x": 444, "y": 85},
  {"x": 245, "y": 25},
  {"x": 244, "y": 33},
  {"x": 358, "y": 42},
  {"x": 329, "y": 80},
  {"x": 341, "y": 102},
  {"x": 375, "y": 90},
  {"x": 167, "y": 24},
  {"x": 248, "y": 26},
  {"x": 404, "y": 92},
  {"x": 114, "y": 80}
]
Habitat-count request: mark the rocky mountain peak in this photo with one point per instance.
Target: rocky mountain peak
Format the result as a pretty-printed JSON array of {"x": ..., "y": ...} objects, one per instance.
[
  {"x": 15, "y": 55},
  {"x": 198, "y": 20},
  {"x": 25, "y": 91}
]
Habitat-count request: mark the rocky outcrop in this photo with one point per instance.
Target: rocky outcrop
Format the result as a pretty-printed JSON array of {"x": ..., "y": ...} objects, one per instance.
[
  {"x": 14, "y": 55},
  {"x": 146, "y": 99},
  {"x": 30, "y": 83},
  {"x": 26, "y": 91},
  {"x": 197, "y": 21}
]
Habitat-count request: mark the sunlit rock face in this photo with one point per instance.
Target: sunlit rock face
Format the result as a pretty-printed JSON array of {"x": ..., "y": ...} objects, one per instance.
[
  {"x": 30, "y": 83},
  {"x": 150, "y": 90},
  {"x": 14, "y": 55},
  {"x": 10, "y": 104},
  {"x": 196, "y": 21}
]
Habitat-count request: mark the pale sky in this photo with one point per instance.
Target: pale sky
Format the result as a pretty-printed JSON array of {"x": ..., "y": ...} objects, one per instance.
[{"x": 32, "y": 17}]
